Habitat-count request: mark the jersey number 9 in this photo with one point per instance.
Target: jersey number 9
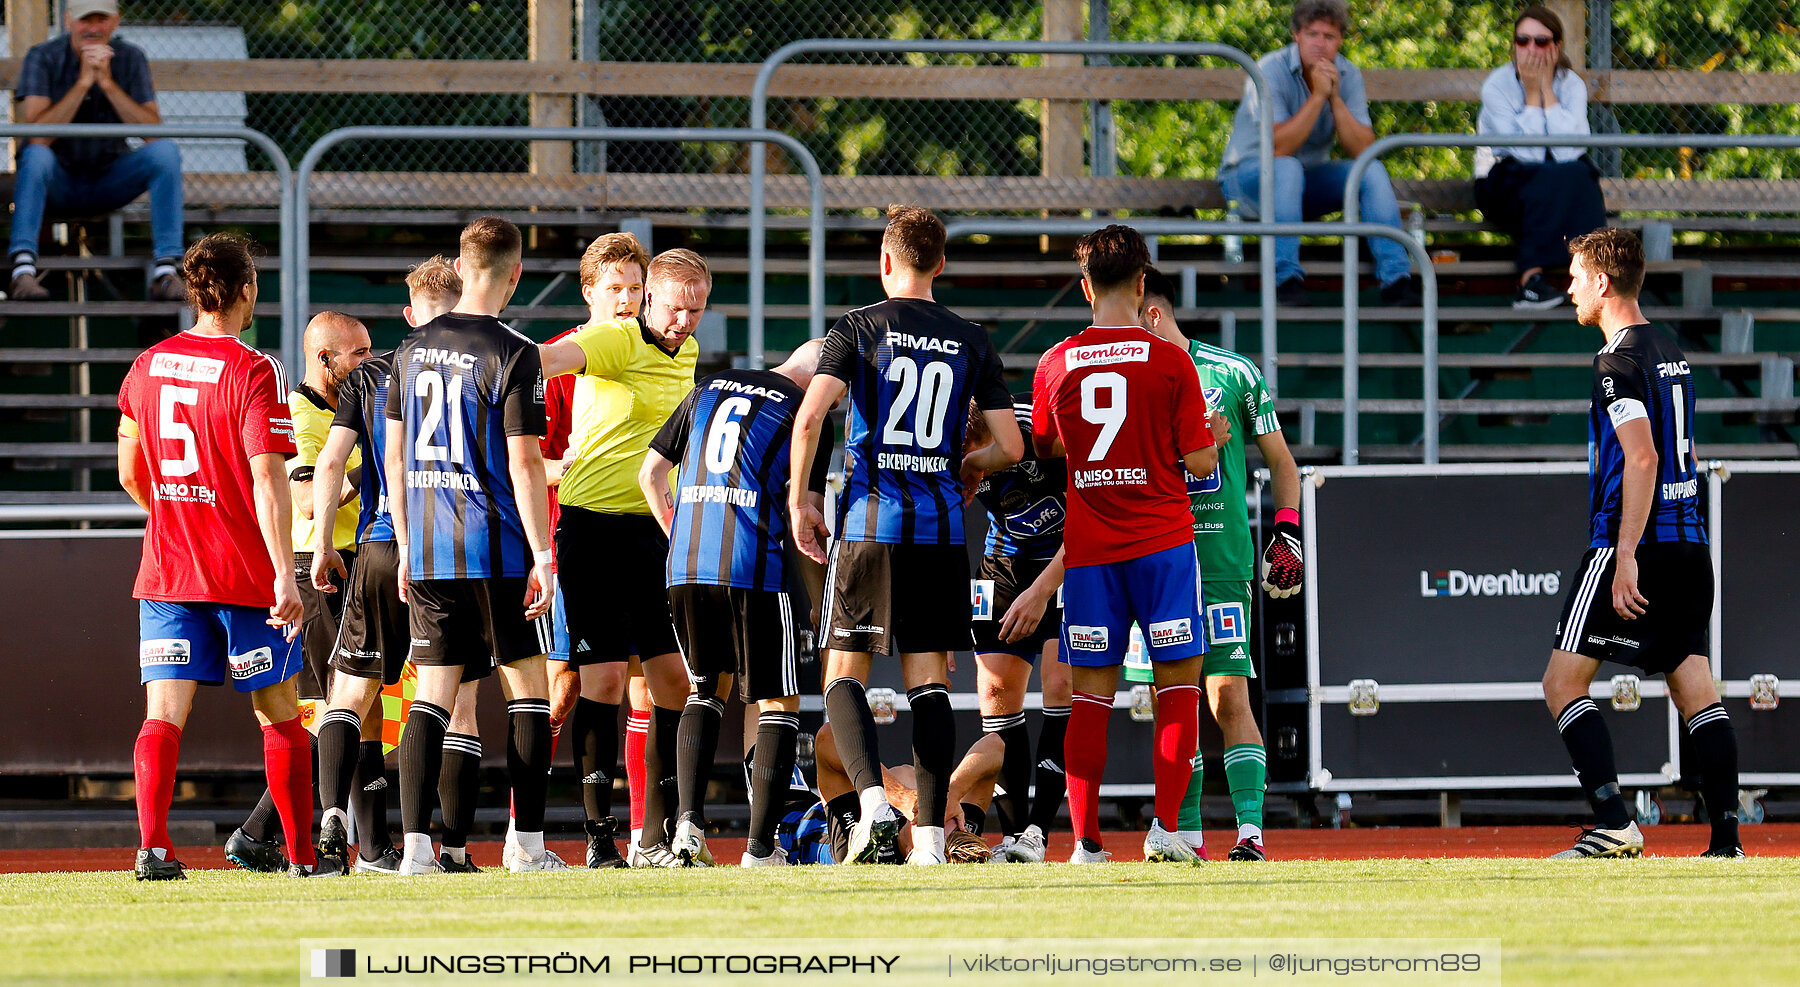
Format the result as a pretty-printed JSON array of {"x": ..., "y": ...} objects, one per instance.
[{"x": 1109, "y": 416}]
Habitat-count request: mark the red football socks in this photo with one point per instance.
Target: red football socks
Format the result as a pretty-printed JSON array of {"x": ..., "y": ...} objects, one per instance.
[
  {"x": 1177, "y": 734},
  {"x": 1084, "y": 760},
  {"x": 287, "y": 758},
  {"x": 153, "y": 768},
  {"x": 637, "y": 729}
]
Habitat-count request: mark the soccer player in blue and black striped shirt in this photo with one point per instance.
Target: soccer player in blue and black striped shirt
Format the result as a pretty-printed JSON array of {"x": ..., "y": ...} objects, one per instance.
[
  {"x": 729, "y": 578},
  {"x": 471, "y": 514},
  {"x": 899, "y": 571},
  {"x": 1643, "y": 595}
]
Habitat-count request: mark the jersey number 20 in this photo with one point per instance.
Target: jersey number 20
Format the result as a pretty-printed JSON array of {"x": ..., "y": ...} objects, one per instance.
[{"x": 932, "y": 387}]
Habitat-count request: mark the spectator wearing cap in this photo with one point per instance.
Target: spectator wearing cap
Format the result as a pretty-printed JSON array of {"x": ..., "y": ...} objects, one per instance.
[{"x": 85, "y": 76}]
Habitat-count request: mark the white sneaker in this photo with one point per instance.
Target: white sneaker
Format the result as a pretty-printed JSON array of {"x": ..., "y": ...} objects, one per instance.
[
  {"x": 521, "y": 864},
  {"x": 415, "y": 868},
  {"x": 778, "y": 858},
  {"x": 1596, "y": 842},
  {"x": 873, "y": 835},
  {"x": 1027, "y": 848},
  {"x": 1001, "y": 849},
  {"x": 634, "y": 856},
  {"x": 1162, "y": 846},
  {"x": 689, "y": 844},
  {"x": 1083, "y": 855}
]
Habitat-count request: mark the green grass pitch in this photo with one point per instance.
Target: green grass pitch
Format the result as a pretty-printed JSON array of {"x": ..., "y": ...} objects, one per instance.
[{"x": 1643, "y": 922}]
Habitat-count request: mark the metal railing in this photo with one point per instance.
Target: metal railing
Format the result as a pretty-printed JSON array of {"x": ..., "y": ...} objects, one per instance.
[
  {"x": 284, "y": 177},
  {"x": 1353, "y": 215},
  {"x": 1190, "y": 227},
  {"x": 759, "y": 118},
  {"x": 735, "y": 135}
]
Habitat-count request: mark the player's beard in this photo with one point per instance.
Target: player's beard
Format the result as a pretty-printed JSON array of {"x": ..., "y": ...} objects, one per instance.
[{"x": 1588, "y": 315}]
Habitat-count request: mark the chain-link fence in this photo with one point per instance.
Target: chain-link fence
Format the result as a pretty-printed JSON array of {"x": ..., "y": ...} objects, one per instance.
[{"x": 864, "y": 136}]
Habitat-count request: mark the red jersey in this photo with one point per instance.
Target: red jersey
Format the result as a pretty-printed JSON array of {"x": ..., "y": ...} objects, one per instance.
[
  {"x": 200, "y": 407},
  {"x": 559, "y": 417},
  {"x": 1127, "y": 405}
]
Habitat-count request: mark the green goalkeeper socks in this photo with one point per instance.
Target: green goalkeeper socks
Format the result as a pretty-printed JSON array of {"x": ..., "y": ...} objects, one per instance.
[
  {"x": 1245, "y": 768},
  {"x": 1189, "y": 820}
]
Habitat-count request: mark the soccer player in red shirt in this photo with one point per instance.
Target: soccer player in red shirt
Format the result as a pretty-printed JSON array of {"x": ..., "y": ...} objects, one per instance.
[
  {"x": 1124, "y": 406},
  {"x": 203, "y": 440}
]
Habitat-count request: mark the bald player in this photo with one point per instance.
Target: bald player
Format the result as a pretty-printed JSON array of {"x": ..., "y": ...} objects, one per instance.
[{"x": 333, "y": 346}]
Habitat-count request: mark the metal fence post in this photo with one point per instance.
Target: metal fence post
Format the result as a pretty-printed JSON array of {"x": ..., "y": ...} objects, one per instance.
[{"x": 289, "y": 328}]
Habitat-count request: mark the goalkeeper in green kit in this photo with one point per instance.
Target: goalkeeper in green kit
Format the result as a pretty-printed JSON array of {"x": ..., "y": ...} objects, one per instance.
[{"x": 1233, "y": 385}]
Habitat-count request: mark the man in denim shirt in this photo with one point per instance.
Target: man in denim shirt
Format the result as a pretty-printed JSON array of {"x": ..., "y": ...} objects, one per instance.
[
  {"x": 1317, "y": 96},
  {"x": 87, "y": 77}
]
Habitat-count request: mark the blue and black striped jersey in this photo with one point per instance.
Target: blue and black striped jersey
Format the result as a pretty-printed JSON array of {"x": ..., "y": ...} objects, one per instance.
[
  {"x": 1025, "y": 502},
  {"x": 461, "y": 385},
  {"x": 1641, "y": 373},
  {"x": 912, "y": 367},
  {"x": 731, "y": 439},
  {"x": 362, "y": 408}
]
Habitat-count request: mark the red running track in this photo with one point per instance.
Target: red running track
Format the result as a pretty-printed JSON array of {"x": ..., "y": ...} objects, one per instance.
[{"x": 1770, "y": 839}]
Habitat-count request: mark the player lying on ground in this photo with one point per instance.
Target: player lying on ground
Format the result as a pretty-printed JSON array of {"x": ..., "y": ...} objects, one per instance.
[
  {"x": 1644, "y": 596},
  {"x": 899, "y": 571},
  {"x": 613, "y": 553},
  {"x": 204, "y": 432},
  {"x": 968, "y": 796},
  {"x": 1019, "y": 586},
  {"x": 1234, "y": 388},
  {"x": 374, "y": 638},
  {"x": 738, "y": 608},
  {"x": 1126, "y": 409}
]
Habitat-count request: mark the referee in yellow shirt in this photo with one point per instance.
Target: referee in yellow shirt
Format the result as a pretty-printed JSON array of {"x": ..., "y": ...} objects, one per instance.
[
  {"x": 334, "y": 345},
  {"x": 611, "y": 553}
]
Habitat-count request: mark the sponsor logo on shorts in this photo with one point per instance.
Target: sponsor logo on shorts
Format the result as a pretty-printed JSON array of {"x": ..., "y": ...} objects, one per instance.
[
  {"x": 252, "y": 664},
  {"x": 1621, "y": 641},
  {"x": 1225, "y": 623},
  {"x": 362, "y": 655},
  {"x": 179, "y": 367},
  {"x": 844, "y": 632},
  {"x": 1131, "y": 351},
  {"x": 164, "y": 651},
  {"x": 1455, "y": 582},
  {"x": 421, "y": 642},
  {"x": 1168, "y": 633},
  {"x": 1083, "y": 638},
  {"x": 981, "y": 599}
]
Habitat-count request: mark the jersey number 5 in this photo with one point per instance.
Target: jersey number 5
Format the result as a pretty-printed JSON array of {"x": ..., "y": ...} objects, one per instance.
[
  {"x": 1109, "y": 416},
  {"x": 168, "y": 428},
  {"x": 932, "y": 387},
  {"x": 430, "y": 389}
]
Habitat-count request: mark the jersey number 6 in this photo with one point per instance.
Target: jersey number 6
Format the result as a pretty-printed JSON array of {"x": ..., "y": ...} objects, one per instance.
[{"x": 723, "y": 437}]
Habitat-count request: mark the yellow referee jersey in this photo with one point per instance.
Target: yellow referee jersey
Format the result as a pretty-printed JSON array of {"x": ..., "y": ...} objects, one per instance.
[
  {"x": 628, "y": 390},
  {"x": 312, "y": 423}
]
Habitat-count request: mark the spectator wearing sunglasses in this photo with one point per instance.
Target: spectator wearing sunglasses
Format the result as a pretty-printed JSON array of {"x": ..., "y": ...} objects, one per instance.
[{"x": 1543, "y": 197}]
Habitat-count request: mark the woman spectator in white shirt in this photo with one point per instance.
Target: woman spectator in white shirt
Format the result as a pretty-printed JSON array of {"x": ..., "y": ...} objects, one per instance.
[{"x": 1542, "y": 196}]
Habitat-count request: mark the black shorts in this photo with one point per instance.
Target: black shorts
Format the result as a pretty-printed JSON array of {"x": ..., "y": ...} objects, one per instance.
[
  {"x": 613, "y": 568},
  {"x": 750, "y": 633},
  {"x": 897, "y": 599},
  {"x": 1677, "y": 579},
  {"x": 1012, "y": 575},
  {"x": 375, "y": 624},
  {"x": 475, "y": 623},
  {"x": 318, "y": 625}
]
